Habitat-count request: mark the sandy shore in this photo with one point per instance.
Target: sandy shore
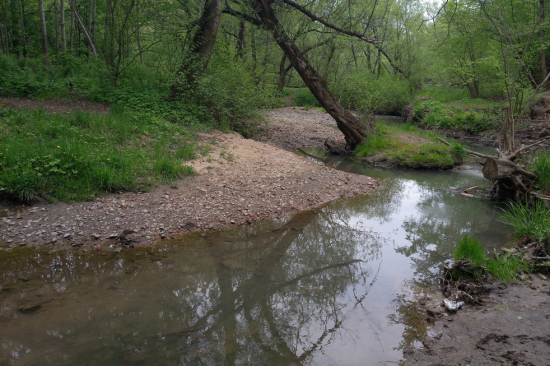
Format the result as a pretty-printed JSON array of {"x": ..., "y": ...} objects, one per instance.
[{"x": 240, "y": 181}]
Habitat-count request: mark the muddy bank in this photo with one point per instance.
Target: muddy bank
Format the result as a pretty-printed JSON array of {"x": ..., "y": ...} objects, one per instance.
[
  {"x": 240, "y": 181},
  {"x": 54, "y": 106},
  {"x": 510, "y": 328}
]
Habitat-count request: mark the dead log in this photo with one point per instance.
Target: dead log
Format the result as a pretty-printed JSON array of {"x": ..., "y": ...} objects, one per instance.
[{"x": 510, "y": 179}]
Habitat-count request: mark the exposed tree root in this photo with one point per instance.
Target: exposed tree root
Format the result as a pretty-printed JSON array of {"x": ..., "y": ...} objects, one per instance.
[{"x": 469, "y": 291}]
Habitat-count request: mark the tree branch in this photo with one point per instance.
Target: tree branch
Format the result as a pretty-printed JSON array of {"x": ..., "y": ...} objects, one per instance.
[{"x": 327, "y": 24}]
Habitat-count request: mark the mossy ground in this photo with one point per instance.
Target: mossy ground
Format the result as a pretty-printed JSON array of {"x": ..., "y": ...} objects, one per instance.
[{"x": 408, "y": 147}]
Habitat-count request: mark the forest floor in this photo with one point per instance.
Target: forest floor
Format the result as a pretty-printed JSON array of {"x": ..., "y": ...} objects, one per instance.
[
  {"x": 510, "y": 328},
  {"x": 54, "y": 105},
  {"x": 239, "y": 181}
]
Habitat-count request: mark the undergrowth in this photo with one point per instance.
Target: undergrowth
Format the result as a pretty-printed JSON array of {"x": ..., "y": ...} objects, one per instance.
[
  {"x": 437, "y": 115},
  {"x": 74, "y": 156}
]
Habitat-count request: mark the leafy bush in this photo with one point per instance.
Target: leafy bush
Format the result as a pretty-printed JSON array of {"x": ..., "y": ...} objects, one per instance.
[
  {"x": 386, "y": 95},
  {"x": 436, "y": 115}
]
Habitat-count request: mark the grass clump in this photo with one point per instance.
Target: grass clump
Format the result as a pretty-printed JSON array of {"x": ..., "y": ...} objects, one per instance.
[
  {"x": 75, "y": 156},
  {"x": 505, "y": 267},
  {"x": 406, "y": 146},
  {"x": 531, "y": 221},
  {"x": 541, "y": 167}
]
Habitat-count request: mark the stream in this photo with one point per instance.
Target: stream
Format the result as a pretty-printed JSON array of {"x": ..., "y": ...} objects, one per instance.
[{"x": 338, "y": 285}]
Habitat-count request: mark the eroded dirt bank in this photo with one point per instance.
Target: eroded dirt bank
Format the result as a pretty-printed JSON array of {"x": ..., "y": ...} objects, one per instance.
[
  {"x": 512, "y": 327},
  {"x": 239, "y": 182}
]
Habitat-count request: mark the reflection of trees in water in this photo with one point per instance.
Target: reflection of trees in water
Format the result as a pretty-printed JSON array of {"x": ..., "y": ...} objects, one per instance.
[
  {"x": 439, "y": 221},
  {"x": 272, "y": 298}
]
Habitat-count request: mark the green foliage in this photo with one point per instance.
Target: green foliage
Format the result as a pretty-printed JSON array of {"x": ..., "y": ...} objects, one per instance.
[
  {"x": 303, "y": 97},
  {"x": 384, "y": 95},
  {"x": 443, "y": 94},
  {"x": 73, "y": 156},
  {"x": 435, "y": 114},
  {"x": 527, "y": 220},
  {"x": 375, "y": 142}
]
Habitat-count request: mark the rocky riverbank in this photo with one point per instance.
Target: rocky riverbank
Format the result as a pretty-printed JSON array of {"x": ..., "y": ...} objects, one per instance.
[{"x": 240, "y": 181}]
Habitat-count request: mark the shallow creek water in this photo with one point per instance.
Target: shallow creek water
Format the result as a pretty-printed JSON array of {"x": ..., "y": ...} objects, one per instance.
[{"x": 335, "y": 286}]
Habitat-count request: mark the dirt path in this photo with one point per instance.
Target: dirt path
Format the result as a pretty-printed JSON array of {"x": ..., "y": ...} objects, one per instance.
[
  {"x": 239, "y": 182},
  {"x": 57, "y": 106},
  {"x": 511, "y": 328}
]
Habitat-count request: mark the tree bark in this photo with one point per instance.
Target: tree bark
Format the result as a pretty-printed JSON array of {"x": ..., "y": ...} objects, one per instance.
[
  {"x": 201, "y": 47},
  {"x": 6, "y": 27},
  {"x": 240, "y": 39},
  {"x": 63, "y": 32},
  {"x": 71, "y": 36},
  {"x": 138, "y": 32},
  {"x": 544, "y": 69},
  {"x": 354, "y": 132},
  {"x": 56, "y": 27},
  {"x": 44, "y": 32},
  {"x": 22, "y": 14}
]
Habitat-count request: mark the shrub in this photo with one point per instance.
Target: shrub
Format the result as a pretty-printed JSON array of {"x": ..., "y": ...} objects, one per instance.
[{"x": 305, "y": 98}]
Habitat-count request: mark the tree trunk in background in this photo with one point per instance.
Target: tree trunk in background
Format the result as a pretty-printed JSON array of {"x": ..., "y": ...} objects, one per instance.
[
  {"x": 282, "y": 74},
  {"x": 71, "y": 36},
  {"x": 22, "y": 13},
  {"x": 56, "y": 27},
  {"x": 544, "y": 69},
  {"x": 6, "y": 27},
  {"x": 139, "y": 33},
  {"x": 240, "y": 40},
  {"x": 44, "y": 33},
  {"x": 83, "y": 27},
  {"x": 354, "y": 132},
  {"x": 63, "y": 37},
  {"x": 2, "y": 39},
  {"x": 202, "y": 45},
  {"x": 92, "y": 28}
]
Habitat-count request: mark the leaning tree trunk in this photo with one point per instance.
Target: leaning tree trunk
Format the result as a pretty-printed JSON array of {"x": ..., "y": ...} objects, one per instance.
[
  {"x": 201, "y": 47},
  {"x": 354, "y": 132}
]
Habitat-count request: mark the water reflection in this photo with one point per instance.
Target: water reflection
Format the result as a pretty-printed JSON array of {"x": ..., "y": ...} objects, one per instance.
[{"x": 335, "y": 286}]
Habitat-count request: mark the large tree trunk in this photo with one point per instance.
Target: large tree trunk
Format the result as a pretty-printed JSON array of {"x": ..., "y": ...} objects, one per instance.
[
  {"x": 44, "y": 33},
  {"x": 198, "y": 55},
  {"x": 354, "y": 132},
  {"x": 240, "y": 39}
]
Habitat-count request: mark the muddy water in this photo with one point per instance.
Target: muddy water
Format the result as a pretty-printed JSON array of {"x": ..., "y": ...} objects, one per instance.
[{"x": 336, "y": 286}]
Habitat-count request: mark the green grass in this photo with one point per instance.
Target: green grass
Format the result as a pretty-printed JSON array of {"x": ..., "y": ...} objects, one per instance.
[
  {"x": 75, "y": 156},
  {"x": 471, "y": 249},
  {"x": 394, "y": 143},
  {"x": 541, "y": 167},
  {"x": 504, "y": 267},
  {"x": 532, "y": 221},
  {"x": 304, "y": 98}
]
